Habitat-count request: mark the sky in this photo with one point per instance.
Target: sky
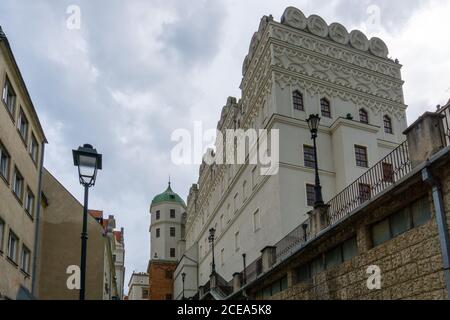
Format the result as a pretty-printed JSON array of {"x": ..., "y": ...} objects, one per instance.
[{"x": 133, "y": 71}]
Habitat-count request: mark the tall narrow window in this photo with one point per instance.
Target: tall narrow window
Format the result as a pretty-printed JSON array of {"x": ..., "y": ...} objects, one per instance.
[
  {"x": 364, "y": 192},
  {"x": 297, "y": 99},
  {"x": 236, "y": 241},
  {"x": 310, "y": 195},
  {"x": 222, "y": 257},
  {"x": 25, "y": 260},
  {"x": 256, "y": 221},
  {"x": 9, "y": 97},
  {"x": 34, "y": 148},
  {"x": 22, "y": 126},
  {"x": 29, "y": 202},
  {"x": 158, "y": 233},
  {"x": 4, "y": 163},
  {"x": 325, "y": 107},
  {"x": 18, "y": 184},
  {"x": 309, "y": 157},
  {"x": 172, "y": 232},
  {"x": 236, "y": 206},
  {"x": 363, "y": 116},
  {"x": 158, "y": 215},
  {"x": 361, "y": 156},
  {"x": 172, "y": 253},
  {"x": 387, "y": 124},
  {"x": 13, "y": 243},
  {"x": 2, "y": 232},
  {"x": 244, "y": 191},
  {"x": 172, "y": 214}
]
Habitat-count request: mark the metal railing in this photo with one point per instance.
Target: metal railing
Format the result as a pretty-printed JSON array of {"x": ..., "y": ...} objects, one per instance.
[{"x": 388, "y": 171}]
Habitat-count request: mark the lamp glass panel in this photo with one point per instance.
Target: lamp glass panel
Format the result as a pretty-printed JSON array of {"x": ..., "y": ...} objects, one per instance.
[{"x": 87, "y": 165}]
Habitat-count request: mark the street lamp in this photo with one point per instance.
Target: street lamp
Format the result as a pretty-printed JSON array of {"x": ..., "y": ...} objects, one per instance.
[
  {"x": 313, "y": 123},
  {"x": 88, "y": 162},
  {"x": 212, "y": 232},
  {"x": 183, "y": 278}
]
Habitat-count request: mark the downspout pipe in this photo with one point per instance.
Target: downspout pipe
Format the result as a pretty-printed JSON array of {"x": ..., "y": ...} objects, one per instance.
[
  {"x": 441, "y": 221},
  {"x": 37, "y": 224}
]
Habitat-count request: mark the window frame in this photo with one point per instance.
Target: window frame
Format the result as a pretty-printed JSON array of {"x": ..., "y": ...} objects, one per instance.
[
  {"x": 363, "y": 114},
  {"x": 256, "y": 218},
  {"x": 309, "y": 156},
  {"x": 4, "y": 154},
  {"x": 27, "y": 197},
  {"x": 298, "y": 102},
  {"x": 22, "y": 185},
  {"x": 172, "y": 253},
  {"x": 310, "y": 190},
  {"x": 25, "y": 269},
  {"x": 361, "y": 158},
  {"x": 387, "y": 124},
  {"x": 10, "y": 106},
  {"x": 325, "y": 108},
  {"x": 158, "y": 233},
  {"x": 173, "y": 214},
  {"x": 2, "y": 233},
  {"x": 22, "y": 120},
  {"x": 13, "y": 236},
  {"x": 33, "y": 148},
  {"x": 158, "y": 215},
  {"x": 173, "y": 232}
]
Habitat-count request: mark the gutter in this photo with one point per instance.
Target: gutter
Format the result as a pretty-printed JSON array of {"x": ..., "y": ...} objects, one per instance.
[{"x": 37, "y": 222}]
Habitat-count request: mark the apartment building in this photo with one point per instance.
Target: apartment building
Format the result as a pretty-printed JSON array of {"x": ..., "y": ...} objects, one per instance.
[
  {"x": 22, "y": 142},
  {"x": 296, "y": 67},
  {"x": 138, "y": 287}
]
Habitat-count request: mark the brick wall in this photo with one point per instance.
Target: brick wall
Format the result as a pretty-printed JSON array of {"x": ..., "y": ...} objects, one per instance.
[
  {"x": 411, "y": 264},
  {"x": 160, "y": 285}
]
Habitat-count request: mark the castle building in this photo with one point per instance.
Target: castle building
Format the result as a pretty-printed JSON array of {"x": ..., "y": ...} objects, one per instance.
[
  {"x": 167, "y": 229},
  {"x": 296, "y": 67}
]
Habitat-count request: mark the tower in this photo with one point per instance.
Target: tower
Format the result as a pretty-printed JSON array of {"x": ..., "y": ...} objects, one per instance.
[{"x": 166, "y": 230}]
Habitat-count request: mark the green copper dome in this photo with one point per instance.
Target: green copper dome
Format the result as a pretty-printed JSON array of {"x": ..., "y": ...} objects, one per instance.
[{"x": 168, "y": 196}]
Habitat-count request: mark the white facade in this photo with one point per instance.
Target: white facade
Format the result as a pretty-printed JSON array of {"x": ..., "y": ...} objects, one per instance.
[
  {"x": 250, "y": 211},
  {"x": 138, "y": 287}
]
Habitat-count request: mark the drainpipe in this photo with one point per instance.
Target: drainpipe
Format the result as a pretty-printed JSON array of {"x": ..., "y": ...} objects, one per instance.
[
  {"x": 441, "y": 220},
  {"x": 37, "y": 222}
]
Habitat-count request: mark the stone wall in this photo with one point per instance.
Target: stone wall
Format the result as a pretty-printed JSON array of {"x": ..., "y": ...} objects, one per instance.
[{"x": 411, "y": 264}]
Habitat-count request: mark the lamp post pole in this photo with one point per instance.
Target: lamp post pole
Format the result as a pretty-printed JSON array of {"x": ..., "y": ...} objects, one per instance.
[
  {"x": 313, "y": 123},
  {"x": 88, "y": 162},
  {"x": 212, "y": 231},
  {"x": 84, "y": 238}
]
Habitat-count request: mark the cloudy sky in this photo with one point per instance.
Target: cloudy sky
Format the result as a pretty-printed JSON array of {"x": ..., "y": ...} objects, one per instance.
[{"x": 136, "y": 70}]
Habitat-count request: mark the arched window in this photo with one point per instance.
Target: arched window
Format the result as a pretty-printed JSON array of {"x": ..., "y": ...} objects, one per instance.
[
  {"x": 387, "y": 125},
  {"x": 363, "y": 116},
  {"x": 297, "y": 100},
  {"x": 325, "y": 107}
]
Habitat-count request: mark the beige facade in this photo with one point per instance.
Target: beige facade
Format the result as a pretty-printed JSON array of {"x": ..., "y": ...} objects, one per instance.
[
  {"x": 21, "y": 149},
  {"x": 60, "y": 247},
  {"x": 296, "y": 67},
  {"x": 138, "y": 288}
]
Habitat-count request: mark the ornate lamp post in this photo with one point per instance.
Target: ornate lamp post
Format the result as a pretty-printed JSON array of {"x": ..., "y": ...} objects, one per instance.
[
  {"x": 212, "y": 232},
  {"x": 183, "y": 278},
  {"x": 313, "y": 123},
  {"x": 88, "y": 162}
]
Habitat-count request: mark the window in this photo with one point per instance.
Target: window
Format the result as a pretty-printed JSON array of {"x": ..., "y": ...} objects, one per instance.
[
  {"x": 363, "y": 116},
  {"x": 168, "y": 274},
  {"x": 256, "y": 221},
  {"x": 387, "y": 125},
  {"x": 22, "y": 126},
  {"x": 275, "y": 288},
  {"x": 325, "y": 107},
  {"x": 145, "y": 293},
  {"x": 2, "y": 232},
  {"x": 158, "y": 215},
  {"x": 236, "y": 207},
  {"x": 365, "y": 193},
  {"x": 172, "y": 214},
  {"x": 172, "y": 232},
  {"x": 222, "y": 226},
  {"x": 309, "y": 157},
  {"x": 361, "y": 156},
  {"x": 4, "y": 163},
  {"x": 172, "y": 252},
  {"x": 13, "y": 243},
  {"x": 222, "y": 257},
  {"x": 29, "y": 202},
  {"x": 9, "y": 97},
  {"x": 310, "y": 195},
  {"x": 413, "y": 216},
  {"x": 158, "y": 233},
  {"x": 254, "y": 177},
  {"x": 18, "y": 184},
  {"x": 236, "y": 241},
  {"x": 34, "y": 148},
  {"x": 25, "y": 260},
  {"x": 297, "y": 100},
  {"x": 388, "y": 172}
]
